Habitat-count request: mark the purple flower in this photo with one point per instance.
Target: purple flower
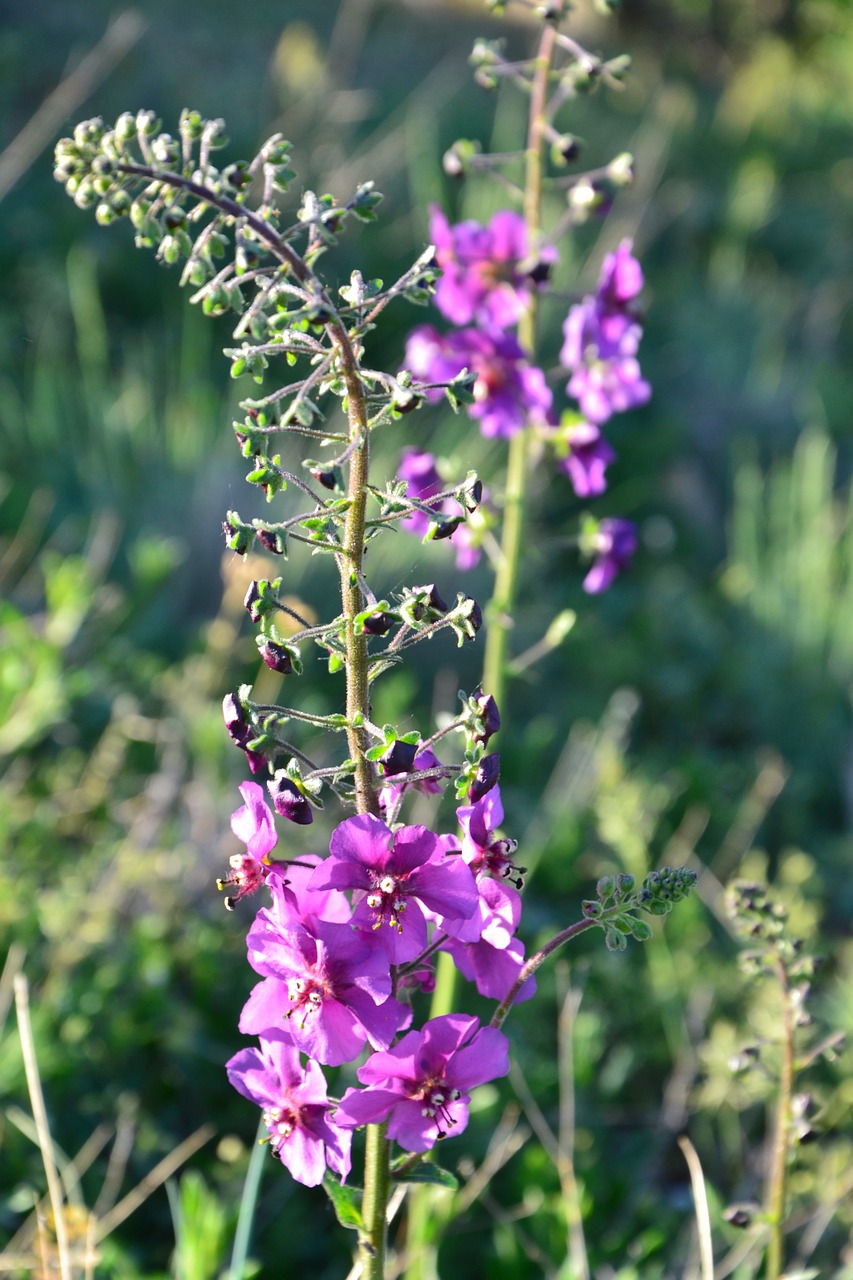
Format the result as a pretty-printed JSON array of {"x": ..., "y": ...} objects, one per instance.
[
  {"x": 292, "y": 900},
  {"x": 621, "y": 277},
  {"x": 601, "y": 338},
  {"x": 418, "y": 469},
  {"x": 584, "y": 454},
  {"x": 493, "y": 970},
  {"x": 295, "y": 1108},
  {"x": 613, "y": 543},
  {"x": 397, "y": 875},
  {"x": 484, "y": 851},
  {"x": 600, "y": 351},
  {"x": 422, "y": 1086},
  {"x": 327, "y": 984},
  {"x": 508, "y": 392},
  {"x": 495, "y": 920},
  {"x": 488, "y": 273},
  {"x": 254, "y": 824}
]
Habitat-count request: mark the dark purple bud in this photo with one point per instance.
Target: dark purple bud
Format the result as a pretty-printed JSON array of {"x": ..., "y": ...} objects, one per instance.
[
  {"x": 399, "y": 758},
  {"x": 379, "y": 623},
  {"x": 289, "y": 801},
  {"x": 406, "y": 403},
  {"x": 277, "y": 657},
  {"x": 434, "y": 600},
  {"x": 446, "y": 528},
  {"x": 240, "y": 732},
  {"x": 251, "y": 599},
  {"x": 328, "y": 479},
  {"x": 474, "y": 496},
  {"x": 739, "y": 1215},
  {"x": 475, "y": 617},
  {"x": 490, "y": 717},
  {"x": 488, "y": 772},
  {"x": 540, "y": 273},
  {"x": 272, "y": 540}
]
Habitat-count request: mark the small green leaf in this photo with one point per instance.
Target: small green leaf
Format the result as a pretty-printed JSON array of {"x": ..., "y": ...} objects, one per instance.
[
  {"x": 431, "y": 1174},
  {"x": 346, "y": 1202}
]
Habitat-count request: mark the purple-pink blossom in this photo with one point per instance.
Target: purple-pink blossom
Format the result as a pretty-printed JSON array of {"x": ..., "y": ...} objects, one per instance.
[
  {"x": 253, "y": 823},
  {"x": 613, "y": 543},
  {"x": 418, "y": 469},
  {"x": 584, "y": 454},
  {"x": 485, "y": 852},
  {"x": 325, "y": 986},
  {"x": 296, "y": 1108},
  {"x": 397, "y": 875},
  {"x": 422, "y": 1085},
  {"x": 493, "y": 970},
  {"x": 601, "y": 338},
  {"x": 420, "y": 473},
  {"x": 509, "y": 393},
  {"x": 488, "y": 272}
]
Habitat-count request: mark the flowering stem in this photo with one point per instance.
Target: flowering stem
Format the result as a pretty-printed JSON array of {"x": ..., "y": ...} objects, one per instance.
[{"x": 530, "y": 966}]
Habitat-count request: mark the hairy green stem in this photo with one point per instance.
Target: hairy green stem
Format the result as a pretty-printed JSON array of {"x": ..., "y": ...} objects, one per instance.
[
  {"x": 774, "y": 1206},
  {"x": 377, "y": 1188}
]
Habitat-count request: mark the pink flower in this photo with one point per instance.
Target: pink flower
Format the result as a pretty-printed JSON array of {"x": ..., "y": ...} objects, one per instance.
[
  {"x": 508, "y": 392},
  {"x": 613, "y": 544},
  {"x": 254, "y": 824},
  {"x": 296, "y": 1108},
  {"x": 488, "y": 273},
  {"x": 325, "y": 987},
  {"x": 422, "y": 1086},
  {"x": 397, "y": 875}
]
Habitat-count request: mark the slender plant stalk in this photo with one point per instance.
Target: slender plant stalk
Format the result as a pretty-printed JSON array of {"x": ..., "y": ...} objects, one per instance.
[
  {"x": 54, "y": 1186},
  {"x": 377, "y": 1188},
  {"x": 506, "y": 580},
  {"x": 774, "y": 1206}
]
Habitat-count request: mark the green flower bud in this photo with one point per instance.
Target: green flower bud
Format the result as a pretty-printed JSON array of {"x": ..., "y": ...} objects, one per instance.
[{"x": 147, "y": 123}]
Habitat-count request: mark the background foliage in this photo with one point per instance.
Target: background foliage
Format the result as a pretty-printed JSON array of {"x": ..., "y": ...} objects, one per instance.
[{"x": 702, "y": 711}]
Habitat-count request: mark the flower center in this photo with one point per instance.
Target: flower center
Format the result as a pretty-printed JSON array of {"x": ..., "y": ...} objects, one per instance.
[
  {"x": 247, "y": 875},
  {"x": 387, "y": 903},
  {"x": 280, "y": 1121},
  {"x": 306, "y": 997},
  {"x": 435, "y": 1099}
]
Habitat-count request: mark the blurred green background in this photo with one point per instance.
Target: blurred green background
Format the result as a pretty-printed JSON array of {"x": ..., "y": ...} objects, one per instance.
[{"x": 701, "y": 711}]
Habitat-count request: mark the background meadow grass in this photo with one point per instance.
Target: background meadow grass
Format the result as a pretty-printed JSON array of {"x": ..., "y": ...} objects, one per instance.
[{"x": 700, "y": 713}]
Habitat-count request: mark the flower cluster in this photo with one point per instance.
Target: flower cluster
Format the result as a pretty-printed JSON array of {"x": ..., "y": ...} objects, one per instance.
[
  {"x": 489, "y": 274},
  {"x": 344, "y": 946}
]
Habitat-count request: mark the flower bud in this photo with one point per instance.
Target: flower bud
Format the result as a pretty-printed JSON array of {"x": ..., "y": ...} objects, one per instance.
[
  {"x": 277, "y": 656},
  {"x": 272, "y": 540},
  {"x": 487, "y": 775},
  {"x": 288, "y": 800},
  {"x": 378, "y": 623},
  {"x": 399, "y": 757}
]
